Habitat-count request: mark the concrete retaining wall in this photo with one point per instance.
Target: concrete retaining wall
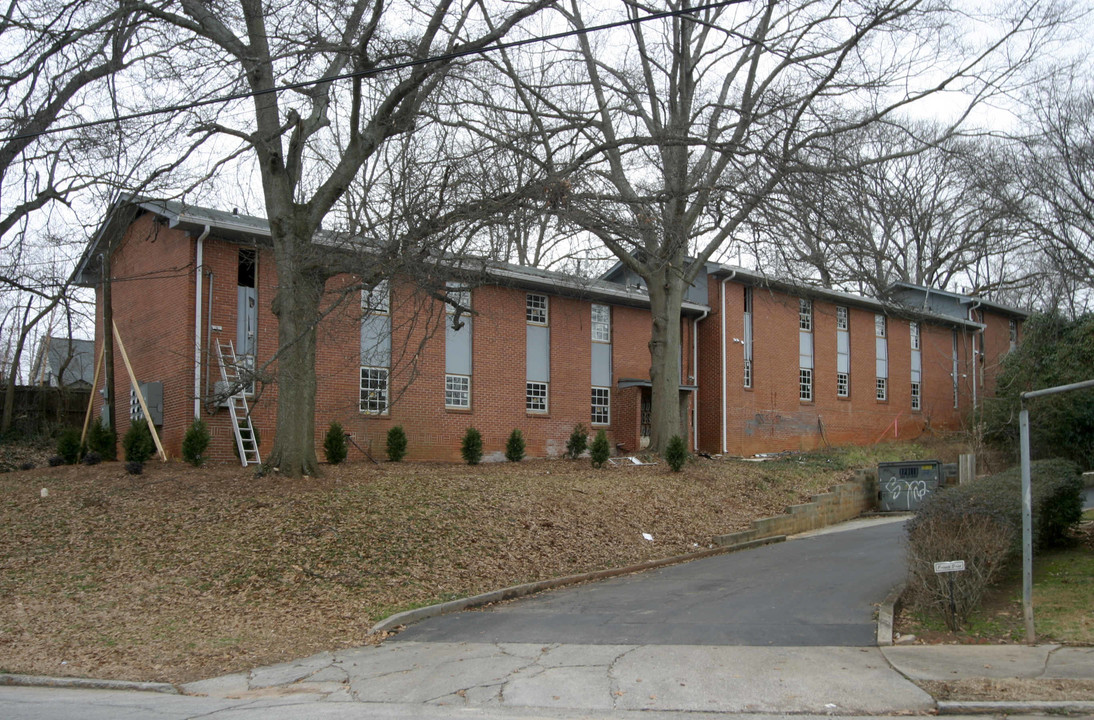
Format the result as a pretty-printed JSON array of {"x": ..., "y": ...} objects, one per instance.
[{"x": 843, "y": 502}]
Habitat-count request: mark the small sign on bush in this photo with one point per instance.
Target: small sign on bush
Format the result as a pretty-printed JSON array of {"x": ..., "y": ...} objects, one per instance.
[{"x": 949, "y": 566}]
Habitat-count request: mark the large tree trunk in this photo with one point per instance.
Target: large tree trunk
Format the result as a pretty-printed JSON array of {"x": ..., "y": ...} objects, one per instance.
[
  {"x": 296, "y": 306},
  {"x": 666, "y": 290}
]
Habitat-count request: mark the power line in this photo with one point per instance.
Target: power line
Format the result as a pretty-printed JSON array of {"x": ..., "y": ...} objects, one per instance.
[{"x": 446, "y": 57}]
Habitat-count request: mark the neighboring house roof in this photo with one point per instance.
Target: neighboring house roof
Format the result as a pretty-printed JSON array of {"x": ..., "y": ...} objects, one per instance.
[
  {"x": 247, "y": 228},
  {"x": 76, "y": 357},
  {"x": 907, "y": 290}
]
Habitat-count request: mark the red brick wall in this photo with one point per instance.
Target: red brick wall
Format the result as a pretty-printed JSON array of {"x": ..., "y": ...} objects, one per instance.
[{"x": 771, "y": 417}]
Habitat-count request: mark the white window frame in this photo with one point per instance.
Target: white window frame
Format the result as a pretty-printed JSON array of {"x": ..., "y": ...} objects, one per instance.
[
  {"x": 747, "y": 342},
  {"x": 805, "y": 314},
  {"x": 843, "y": 385},
  {"x": 377, "y": 300},
  {"x": 917, "y": 396},
  {"x": 459, "y": 294},
  {"x": 805, "y": 384},
  {"x": 880, "y": 325},
  {"x": 602, "y": 409},
  {"x": 536, "y": 397},
  {"x": 457, "y": 392},
  {"x": 377, "y": 402},
  {"x": 748, "y": 373},
  {"x": 882, "y": 389},
  {"x": 842, "y": 318},
  {"x": 536, "y": 308},
  {"x": 601, "y": 323},
  {"x": 913, "y": 331}
]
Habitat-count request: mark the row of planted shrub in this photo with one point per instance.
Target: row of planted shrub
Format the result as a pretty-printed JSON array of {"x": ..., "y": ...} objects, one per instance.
[{"x": 981, "y": 523}]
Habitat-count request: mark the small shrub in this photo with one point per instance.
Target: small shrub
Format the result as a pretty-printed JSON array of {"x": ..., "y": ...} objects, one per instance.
[
  {"x": 92, "y": 458},
  {"x": 600, "y": 451},
  {"x": 981, "y": 541},
  {"x": 396, "y": 443},
  {"x": 137, "y": 442},
  {"x": 134, "y": 468},
  {"x": 56, "y": 460},
  {"x": 68, "y": 446},
  {"x": 676, "y": 453},
  {"x": 471, "y": 446},
  {"x": 27, "y": 466},
  {"x": 514, "y": 446},
  {"x": 334, "y": 444},
  {"x": 195, "y": 443},
  {"x": 578, "y": 442},
  {"x": 102, "y": 440}
]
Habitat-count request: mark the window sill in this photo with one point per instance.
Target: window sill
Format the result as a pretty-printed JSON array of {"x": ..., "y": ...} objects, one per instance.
[{"x": 458, "y": 410}]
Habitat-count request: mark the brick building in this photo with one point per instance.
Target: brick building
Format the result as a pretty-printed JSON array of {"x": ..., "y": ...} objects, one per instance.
[{"x": 535, "y": 350}]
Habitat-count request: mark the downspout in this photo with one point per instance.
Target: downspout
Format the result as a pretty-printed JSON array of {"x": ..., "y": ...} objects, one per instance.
[
  {"x": 725, "y": 380},
  {"x": 975, "y": 353},
  {"x": 695, "y": 378},
  {"x": 198, "y": 262}
]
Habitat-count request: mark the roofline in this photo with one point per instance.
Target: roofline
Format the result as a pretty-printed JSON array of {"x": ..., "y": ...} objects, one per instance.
[
  {"x": 963, "y": 299},
  {"x": 889, "y": 308}
]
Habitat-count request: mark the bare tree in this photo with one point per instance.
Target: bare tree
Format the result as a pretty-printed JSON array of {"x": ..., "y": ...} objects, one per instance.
[
  {"x": 940, "y": 215},
  {"x": 306, "y": 154},
  {"x": 691, "y": 121},
  {"x": 1055, "y": 168}
]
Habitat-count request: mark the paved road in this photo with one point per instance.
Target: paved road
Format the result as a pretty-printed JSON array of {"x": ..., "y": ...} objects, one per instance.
[{"x": 815, "y": 591}]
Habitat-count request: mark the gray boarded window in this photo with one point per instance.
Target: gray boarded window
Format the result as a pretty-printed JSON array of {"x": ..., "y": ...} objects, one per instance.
[{"x": 538, "y": 353}]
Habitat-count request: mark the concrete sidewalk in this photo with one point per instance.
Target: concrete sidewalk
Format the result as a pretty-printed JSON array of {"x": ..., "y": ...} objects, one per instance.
[{"x": 610, "y": 678}]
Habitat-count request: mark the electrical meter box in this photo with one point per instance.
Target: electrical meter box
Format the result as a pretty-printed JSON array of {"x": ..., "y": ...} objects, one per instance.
[{"x": 903, "y": 486}]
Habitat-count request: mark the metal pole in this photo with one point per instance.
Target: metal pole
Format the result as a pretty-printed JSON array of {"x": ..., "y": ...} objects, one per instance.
[{"x": 1027, "y": 529}]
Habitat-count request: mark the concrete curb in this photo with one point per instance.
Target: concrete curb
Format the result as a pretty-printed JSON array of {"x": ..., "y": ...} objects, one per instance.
[
  {"x": 412, "y": 616},
  {"x": 958, "y": 707},
  {"x": 886, "y": 613},
  {"x": 86, "y": 683}
]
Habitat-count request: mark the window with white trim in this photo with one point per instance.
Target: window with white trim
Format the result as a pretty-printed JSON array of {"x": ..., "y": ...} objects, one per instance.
[
  {"x": 913, "y": 329},
  {"x": 805, "y": 384},
  {"x": 843, "y": 385},
  {"x": 459, "y": 295},
  {"x": 747, "y": 341},
  {"x": 882, "y": 388},
  {"x": 374, "y": 390},
  {"x": 601, "y": 406},
  {"x": 879, "y": 325},
  {"x": 602, "y": 323},
  {"x": 916, "y": 399},
  {"x": 535, "y": 309},
  {"x": 457, "y": 392},
  {"x": 376, "y": 300},
  {"x": 805, "y": 314},
  {"x": 535, "y": 397},
  {"x": 842, "y": 322},
  {"x": 1013, "y": 332}
]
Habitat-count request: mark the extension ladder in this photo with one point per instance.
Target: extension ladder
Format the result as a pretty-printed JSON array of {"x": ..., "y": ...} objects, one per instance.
[{"x": 246, "y": 443}]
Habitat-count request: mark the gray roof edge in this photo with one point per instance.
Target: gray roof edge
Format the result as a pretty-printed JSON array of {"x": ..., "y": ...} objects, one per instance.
[{"x": 963, "y": 298}]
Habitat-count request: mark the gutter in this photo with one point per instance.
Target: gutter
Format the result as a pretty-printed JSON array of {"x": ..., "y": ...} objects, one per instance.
[
  {"x": 695, "y": 379},
  {"x": 199, "y": 261},
  {"x": 725, "y": 380}
]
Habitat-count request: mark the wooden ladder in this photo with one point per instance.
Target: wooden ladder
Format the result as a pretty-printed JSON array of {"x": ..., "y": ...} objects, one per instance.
[{"x": 246, "y": 444}]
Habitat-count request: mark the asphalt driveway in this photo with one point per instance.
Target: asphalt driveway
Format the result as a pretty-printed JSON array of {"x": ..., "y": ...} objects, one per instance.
[{"x": 812, "y": 591}]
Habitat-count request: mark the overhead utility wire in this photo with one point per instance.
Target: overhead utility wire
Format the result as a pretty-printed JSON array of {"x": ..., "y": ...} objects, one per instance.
[{"x": 377, "y": 71}]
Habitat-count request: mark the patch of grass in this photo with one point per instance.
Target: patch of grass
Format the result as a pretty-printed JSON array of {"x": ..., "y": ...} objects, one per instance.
[{"x": 1063, "y": 595}]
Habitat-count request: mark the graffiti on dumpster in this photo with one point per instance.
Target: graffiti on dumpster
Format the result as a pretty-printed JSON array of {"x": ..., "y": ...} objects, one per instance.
[{"x": 916, "y": 490}]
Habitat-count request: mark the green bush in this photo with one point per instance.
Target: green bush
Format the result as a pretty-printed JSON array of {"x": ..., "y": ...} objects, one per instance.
[
  {"x": 1056, "y": 493},
  {"x": 102, "y": 440},
  {"x": 676, "y": 454},
  {"x": 137, "y": 442},
  {"x": 514, "y": 446},
  {"x": 69, "y": 447},
  {"x": 335, "y": 448},
  {"x": 578, "y": 442},
  {"x": 471, "y": 446},
  {"x": 600, "y": 451},
  {"x": 1054, "y": 351},
  {"x": 195, "y": 443},
  {"x": 396, "y": 443}
]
